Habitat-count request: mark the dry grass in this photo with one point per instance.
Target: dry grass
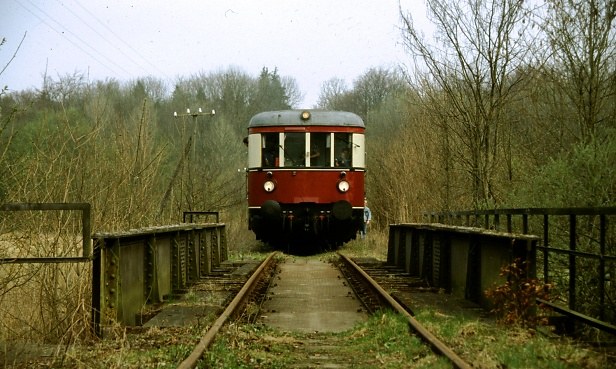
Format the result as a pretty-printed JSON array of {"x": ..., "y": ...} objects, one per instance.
[
  {"x": 373, "y": 246},
  {"x": 42, "y": 303},
  {"x": 376, "y": 344}
]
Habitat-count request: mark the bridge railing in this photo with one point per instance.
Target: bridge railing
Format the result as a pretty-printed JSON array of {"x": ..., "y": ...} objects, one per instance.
[
  {"x": 463, "y": 261},
  {"x": 577, "y": 250},
  {"x": 83, "y": 208},
  {"x": 145, "y": 266}
]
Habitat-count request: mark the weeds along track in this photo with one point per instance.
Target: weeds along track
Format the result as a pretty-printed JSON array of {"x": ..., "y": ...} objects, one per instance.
[
  {"x": 307, "y": 304},
  {"x": 305, "y": 312},
  {"x": 284, "y": 311},
  {"x": 377, "y": 297},
  {"x": 238, "y": 305}
]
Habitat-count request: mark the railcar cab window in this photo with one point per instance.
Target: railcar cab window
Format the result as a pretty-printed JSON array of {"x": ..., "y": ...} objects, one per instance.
[
  {"x": 343, "y": 148},
  {"x": 294, "y": 149},
  {"x": 269, "y": 150},
  {"x": 302, "y": 149},
  {"x": 320, "y": 149}
]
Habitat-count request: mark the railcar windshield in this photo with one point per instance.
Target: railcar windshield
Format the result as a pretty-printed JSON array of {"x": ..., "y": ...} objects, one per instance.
[
  {"x": 343, "y": 148},
  {"x": 320, "y": 149},
  {"x": 294, "y": 148},
  {"x": 269, "y": 150},
  {"x": 304, "y": 149}
]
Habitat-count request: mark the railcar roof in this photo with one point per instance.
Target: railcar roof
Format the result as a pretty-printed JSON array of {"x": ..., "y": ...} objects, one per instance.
[{"x": 317, "y": 118}]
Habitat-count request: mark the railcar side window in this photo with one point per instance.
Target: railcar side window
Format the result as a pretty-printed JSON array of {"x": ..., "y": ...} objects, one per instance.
[
  {"x": 269, "y": 150},
  {"x": 343, "y": 144},
  {"x": 320, "y": 148}
]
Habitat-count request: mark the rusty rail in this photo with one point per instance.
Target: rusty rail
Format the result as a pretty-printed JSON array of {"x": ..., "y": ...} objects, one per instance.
[
  {"x": 425, "y": 334},
  {"x": 231, "y": 310}
]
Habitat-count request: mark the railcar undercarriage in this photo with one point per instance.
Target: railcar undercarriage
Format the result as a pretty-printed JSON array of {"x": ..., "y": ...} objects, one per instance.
[{"x": 328, "y": 225}]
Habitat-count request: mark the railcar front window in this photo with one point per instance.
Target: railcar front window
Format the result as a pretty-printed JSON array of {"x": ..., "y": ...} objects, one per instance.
[
  {"x": 269, "y": 150},
  {"x": 343, "y": 144},
  {"x": 295, "y": 149},
  {"x": 320, "y": 148}
]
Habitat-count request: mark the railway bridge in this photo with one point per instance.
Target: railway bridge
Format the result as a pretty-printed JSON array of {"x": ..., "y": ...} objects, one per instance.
[{"x": 462, "y": 254}]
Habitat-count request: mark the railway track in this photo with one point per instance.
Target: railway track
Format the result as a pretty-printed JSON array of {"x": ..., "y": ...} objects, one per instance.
[
  {"x": 331, "y": 297},
  {"x": 375, "y": 291},
  {"x": 257, "y": 298},
  {"x": 237, "y": 306}
]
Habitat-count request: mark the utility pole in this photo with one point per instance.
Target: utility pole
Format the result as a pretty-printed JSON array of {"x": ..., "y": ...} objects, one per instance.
[
  {"x": 194, "y": 115},
  {"x": 184, "y": 155}
]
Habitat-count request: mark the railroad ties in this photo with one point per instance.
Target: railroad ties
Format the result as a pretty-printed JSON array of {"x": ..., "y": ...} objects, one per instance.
[
  {"x": 205, "y": 298},
  {"x": 316, "y": 298}
]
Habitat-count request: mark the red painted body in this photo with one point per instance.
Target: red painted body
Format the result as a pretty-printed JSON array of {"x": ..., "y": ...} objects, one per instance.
[
  {"x": 295, "y": 186},
  {"x": 309, "y": 202}
]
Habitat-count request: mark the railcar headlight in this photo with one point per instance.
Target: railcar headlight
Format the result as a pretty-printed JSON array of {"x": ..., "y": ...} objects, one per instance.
[
  {"x": 343, "y": 186},
  {"x": 269, "y": 186}
]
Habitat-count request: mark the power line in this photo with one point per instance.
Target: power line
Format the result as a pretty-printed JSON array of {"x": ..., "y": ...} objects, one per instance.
[
  {"x": 99, "y": 34},
  {"x": 61, "y": 33},
  {"x": 108, "y": 29}
]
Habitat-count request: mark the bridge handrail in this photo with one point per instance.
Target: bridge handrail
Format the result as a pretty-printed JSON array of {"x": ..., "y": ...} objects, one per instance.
[
  {"x": 602, "y": 252},
  {"x": 463, "y": 261},
  {"x": 135, "y": 268},
  {"x": 85, "y": 210}
]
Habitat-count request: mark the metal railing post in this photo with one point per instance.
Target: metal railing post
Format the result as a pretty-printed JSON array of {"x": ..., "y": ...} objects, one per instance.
[{"x": 572, "y": 266}]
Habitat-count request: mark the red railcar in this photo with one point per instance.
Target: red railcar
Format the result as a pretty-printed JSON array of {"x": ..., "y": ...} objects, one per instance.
[{"x": 306, "y": 176}]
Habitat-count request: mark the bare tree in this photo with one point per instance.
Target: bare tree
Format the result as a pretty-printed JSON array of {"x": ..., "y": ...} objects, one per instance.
[
  {"x": 65, "y": 88},
  {"x": 332, "y": 90},
  {"x": 582, "y": 37},
  {"x": 292, "y": 90},
  {"x": 477, "y": 46},
  {"x": 374, "y": 87}
]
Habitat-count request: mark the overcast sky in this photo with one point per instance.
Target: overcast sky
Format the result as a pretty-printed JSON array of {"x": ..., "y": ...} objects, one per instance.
[{"x": 311, "y": 40}]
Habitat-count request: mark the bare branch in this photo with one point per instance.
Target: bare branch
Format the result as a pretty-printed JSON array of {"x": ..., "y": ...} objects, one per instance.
[{"x": 14, "y": 54}]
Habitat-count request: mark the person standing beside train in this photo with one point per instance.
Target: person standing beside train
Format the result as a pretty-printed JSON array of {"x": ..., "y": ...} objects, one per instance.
[{"x": 367, "y": 219}]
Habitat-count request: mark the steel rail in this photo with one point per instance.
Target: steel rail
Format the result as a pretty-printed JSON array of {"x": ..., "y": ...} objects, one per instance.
[
  {"x": 427, "y": 336},
  {"x": 191, "y": 361}
]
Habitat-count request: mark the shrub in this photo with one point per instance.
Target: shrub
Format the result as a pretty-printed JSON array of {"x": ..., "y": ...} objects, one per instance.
[{"x": 515, "y": 300}]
